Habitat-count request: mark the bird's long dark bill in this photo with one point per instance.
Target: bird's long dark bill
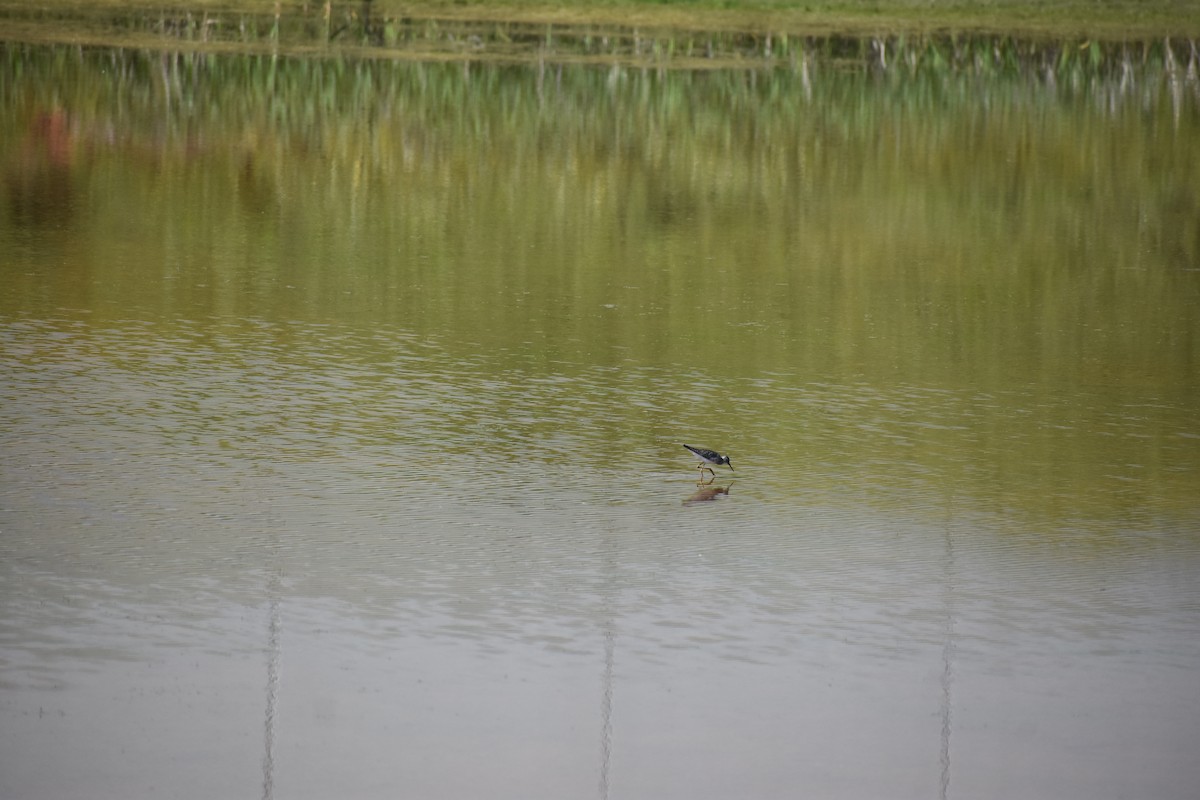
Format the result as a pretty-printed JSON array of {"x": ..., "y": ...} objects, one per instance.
[{"x": 730, "y": 466}]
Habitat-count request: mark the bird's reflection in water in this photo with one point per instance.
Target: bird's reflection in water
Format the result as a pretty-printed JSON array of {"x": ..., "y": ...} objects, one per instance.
[{"x": 705, "y": 492}]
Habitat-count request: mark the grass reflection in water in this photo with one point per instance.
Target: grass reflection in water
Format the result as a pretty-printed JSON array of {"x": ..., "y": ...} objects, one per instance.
[{"x": 992, "y": 253}]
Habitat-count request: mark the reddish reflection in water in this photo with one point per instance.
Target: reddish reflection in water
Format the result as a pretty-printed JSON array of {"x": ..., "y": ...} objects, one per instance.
[
  {"x": 39, "y": 177},
  {"x": 705, "y": 493}
]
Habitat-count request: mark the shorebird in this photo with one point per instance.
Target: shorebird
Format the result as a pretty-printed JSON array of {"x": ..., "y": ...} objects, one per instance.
[{"x": 708, "y": 457}]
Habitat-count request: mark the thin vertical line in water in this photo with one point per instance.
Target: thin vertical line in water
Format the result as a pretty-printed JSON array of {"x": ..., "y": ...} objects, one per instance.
[
  {"x": 272, "y": 687},
  {"x": 606, "y": 710},
  {"x": 948, "y": 652},
  {"x": 609, "y": 625}
]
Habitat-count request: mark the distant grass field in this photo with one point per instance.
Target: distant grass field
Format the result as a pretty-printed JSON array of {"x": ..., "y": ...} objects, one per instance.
[{"x": 1106, "y": 19}]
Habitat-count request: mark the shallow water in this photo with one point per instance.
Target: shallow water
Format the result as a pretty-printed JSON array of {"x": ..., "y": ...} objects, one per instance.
[{"x": 341, "y": 435}]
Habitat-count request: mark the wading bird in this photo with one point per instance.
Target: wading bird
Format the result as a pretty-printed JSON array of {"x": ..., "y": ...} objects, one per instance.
[{"x": 708, "y": 457}]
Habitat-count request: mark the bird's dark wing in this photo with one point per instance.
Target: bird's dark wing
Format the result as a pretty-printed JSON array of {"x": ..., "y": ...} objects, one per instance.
[{"x": 707, "y": 455}]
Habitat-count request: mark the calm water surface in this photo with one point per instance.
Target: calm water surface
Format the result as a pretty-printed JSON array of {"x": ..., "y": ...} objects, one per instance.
[{"x": 342, "y": 401}]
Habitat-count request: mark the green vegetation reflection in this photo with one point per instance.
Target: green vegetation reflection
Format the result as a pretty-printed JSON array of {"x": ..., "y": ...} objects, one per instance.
[{"x": 815, "y": 226}]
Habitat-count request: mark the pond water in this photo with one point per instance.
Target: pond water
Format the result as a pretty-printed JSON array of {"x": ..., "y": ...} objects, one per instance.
[{"x": 342, "y": 406}]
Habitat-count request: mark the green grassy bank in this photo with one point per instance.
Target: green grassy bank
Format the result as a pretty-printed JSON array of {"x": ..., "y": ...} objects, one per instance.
[{"x": 1099, "y": 19}]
